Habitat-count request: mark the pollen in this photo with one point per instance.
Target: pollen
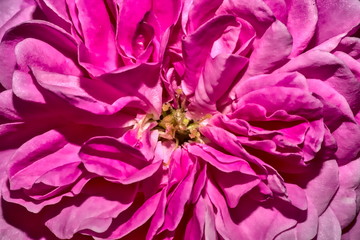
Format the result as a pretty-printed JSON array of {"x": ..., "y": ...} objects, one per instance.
[{"x": 174, "y": 125}]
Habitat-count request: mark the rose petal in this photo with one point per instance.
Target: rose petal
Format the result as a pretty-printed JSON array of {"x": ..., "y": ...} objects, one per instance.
[
  {"x": 256, "y": 12},
  {"x": 129, "y": 221},
  {"x": 344, "y": 205},
  {"x": 76, "y": 91},
  {"x": 327, "y": 176},
  {"x": 197, "y": 47},
  {"x": 301, "y": 23},
  {"x": 177, "y": 201},
  {"x": 55, "y": 12},
  {"x": 266, "y": 57},
  {"x": 35, "y": 53},
  {"x": 99, "y": 42},
  {"x": 116, "y": 161},
  {"x": 329, "y": 227},
  {"x": 218, "y": 71},
  {"x": 56, "y": 37},
  {"x": 92, "y": 212},
  {"x": 141, "y": 81},
  {"x": 328, "y": 68},
  {"x": 344, "y": 11}
]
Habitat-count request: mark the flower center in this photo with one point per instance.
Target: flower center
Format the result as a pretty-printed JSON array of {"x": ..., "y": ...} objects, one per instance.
[{"x": 174, "y": 125}]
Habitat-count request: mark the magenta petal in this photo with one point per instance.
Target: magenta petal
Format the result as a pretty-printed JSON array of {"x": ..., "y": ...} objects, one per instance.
[
  {"x": 58, "y": 7},
  {"x": 195, "y": 227},
  {"x": 14, "y": 12},
  {"x": 328, "y": 179},
  {"x": 14, "y": 219},
  {"x": 199, "y": 13},
  {"x": 167, "y": 12},
  {"x": 36, "y": 148},
  {"x": 346, "y": 13},
  {"x": 157, "y": 219},
  {"x": 351, "y": 46},
  {"x": 49, "y": 170},
  {"x": 36, "y": 53},
  {"x": 223, "y": 162},
  {"x": 200, "y": 182},
  {"x": 197, "y": 48},
  {"x": 294, "y": 80},
  {"x": 234, "y": 189},
  {"x": 177, "y": 201},
  {"x": 353, "y": 64},
  {"x": 279, "y": 9},
  {"x": 8, "y": 9},
  {"x": 134, "y": 219},
  {"x": 266, "y": 57},
  {"x": 53, "y": 197},
  {"x": 292, "y": 100},
  {"x": 76, "y": 91},
  {"x": 297, "y": 196},
  {"x": 23, "y": 81},
  {"x": 353, "y": 232},
  {"x": 128, "y": 21},
  {"x": 100, "y": 49},
  {"x": 141, "y": 81},
  {"x": 301, "y": 23},
  {"x": 234, "y": 178},
  {"x": 94, "y": 213},
  {"x": 347, "y": 136},
  {"x": 7, "y": 107},
  {"x": 329, "y": 227},
  {"x": 344, "y": 204},
  {"x": 333, "y": 101},
  {"x": 56, "y": 12},
  {"x": 256, "y": 12},
  {"x": 307, "y": 229},
  {"x": 119, "y": 162},
  {"x": 249, "y": 220},
  {"x": 328, "y": 68},
  {"x": 218, "y": 71},
  {"x": 56, "y": 37},
  {"x": 202, "y": 223}
]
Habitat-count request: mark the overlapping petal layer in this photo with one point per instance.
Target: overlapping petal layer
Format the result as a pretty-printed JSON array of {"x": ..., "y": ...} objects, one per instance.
[{"x": 189, "y": 119}]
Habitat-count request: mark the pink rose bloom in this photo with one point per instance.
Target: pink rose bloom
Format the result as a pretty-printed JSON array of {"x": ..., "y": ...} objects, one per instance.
[{"x": 180, "y": 119}]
